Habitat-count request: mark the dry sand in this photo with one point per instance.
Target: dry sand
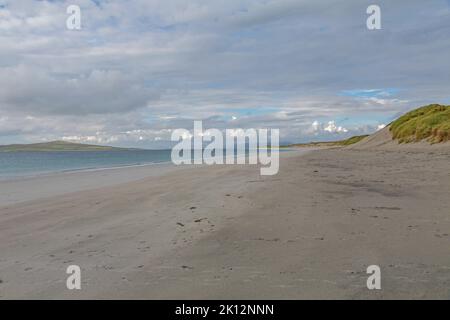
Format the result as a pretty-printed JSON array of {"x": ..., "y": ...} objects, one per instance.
[{"x": 227, "y": 232}]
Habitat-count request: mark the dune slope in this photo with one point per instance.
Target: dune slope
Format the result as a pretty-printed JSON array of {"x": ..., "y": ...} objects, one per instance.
[{"x": 425, "y": 128}]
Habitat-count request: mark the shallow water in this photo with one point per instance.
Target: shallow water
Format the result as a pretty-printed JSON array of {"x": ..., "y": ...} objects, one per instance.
[
  {"x": 22, "y": 164},
  {"x": 17, "y": 164}
]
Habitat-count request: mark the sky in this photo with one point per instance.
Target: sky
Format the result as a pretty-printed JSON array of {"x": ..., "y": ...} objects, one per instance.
[{"x": 139, "y": 69}]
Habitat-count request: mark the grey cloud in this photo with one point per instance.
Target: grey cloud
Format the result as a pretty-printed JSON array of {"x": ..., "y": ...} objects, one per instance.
[
  {"x": 154, "y": 65},
  {"x": 35, "y": 91}
]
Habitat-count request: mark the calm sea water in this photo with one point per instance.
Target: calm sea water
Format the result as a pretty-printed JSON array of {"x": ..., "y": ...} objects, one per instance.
[
  {"x": 19, "y": 164},
  {"x": 22, "y": 164}
]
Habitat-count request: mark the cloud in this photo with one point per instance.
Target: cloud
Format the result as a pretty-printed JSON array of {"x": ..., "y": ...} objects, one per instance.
[
  {"x": 329, "y": 127},
  {"x": 315, "y": 126},
  {"x": 143, "y": 66},
  {"x": 32, "y": 90},
  {"x": 370, "y": 93}
]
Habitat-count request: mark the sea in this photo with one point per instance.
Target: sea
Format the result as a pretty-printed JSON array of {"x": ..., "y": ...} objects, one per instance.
[{"x": 22, "y": 164}]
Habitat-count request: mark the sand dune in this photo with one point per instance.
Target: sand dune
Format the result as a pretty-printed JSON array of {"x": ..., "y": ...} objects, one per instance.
[{"x": 382, "y": 140}]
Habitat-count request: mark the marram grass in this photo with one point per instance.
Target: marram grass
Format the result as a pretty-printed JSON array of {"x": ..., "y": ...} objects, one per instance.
[
  {"x": 352, "y": 140},
  {"x": 430, "y": 123}
]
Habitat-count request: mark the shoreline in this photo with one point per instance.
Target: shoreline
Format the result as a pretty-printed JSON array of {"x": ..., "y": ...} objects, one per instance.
[
  {"x": 226, "y": 232},
  {"x": 33, "y": 187},
  {"x": 7, "y": 178},
  {"x": 52, "y": 184}
]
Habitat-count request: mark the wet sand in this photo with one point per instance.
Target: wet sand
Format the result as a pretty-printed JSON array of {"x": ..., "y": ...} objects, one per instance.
[{"x": 225, "y": 232}]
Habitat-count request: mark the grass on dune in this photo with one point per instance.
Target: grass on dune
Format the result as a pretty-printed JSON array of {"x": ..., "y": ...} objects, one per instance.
[
  {"x": 430, "y": 123},
  {"x": 345, "y": 142},
  {"x": 351, "y": 140}
]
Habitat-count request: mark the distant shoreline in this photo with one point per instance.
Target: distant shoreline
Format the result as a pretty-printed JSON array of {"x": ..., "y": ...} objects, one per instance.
[{"x": 59, "y": 146}]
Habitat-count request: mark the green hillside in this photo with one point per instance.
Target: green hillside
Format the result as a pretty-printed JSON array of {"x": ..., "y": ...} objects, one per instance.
[
  {"x": 430, "y": 123},
  {"x": 351, "y": 140},
  {"x": 56, "y": 146},
  {"x": 345, "y": 142}
]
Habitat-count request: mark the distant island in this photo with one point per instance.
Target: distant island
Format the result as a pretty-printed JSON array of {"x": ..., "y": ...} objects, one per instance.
[{"x": 57, "y": 146}]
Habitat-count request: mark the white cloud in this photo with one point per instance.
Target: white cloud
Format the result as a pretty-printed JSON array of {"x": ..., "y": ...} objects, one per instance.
[
  {"x": 385, "y": 102},
  {"x": 332, "y": 128},
  {"x": 315, "y": 125},
  {"x": 329, "y": 127}
]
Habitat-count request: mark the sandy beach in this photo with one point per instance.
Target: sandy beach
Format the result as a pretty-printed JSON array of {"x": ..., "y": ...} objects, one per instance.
[{"x": 226, "y": 232}]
